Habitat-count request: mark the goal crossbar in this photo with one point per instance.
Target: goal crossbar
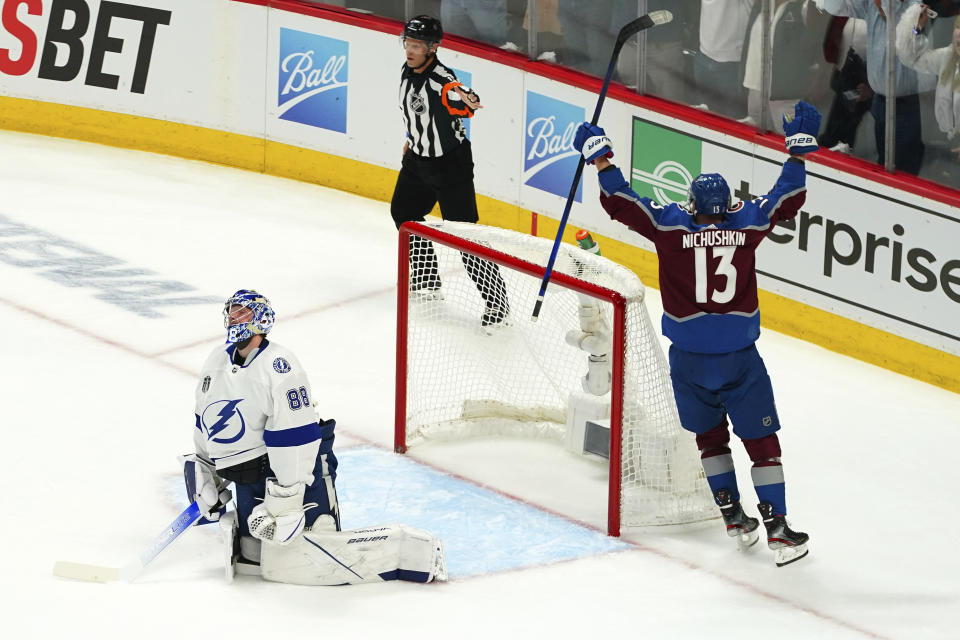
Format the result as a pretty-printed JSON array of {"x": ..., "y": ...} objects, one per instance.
[{"x": 617, "y": 301}]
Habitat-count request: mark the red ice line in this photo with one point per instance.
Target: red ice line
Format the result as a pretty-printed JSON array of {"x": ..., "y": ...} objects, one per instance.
[
  {"x": 635, "y": 545},
  {"x": 296, "y": 316}
]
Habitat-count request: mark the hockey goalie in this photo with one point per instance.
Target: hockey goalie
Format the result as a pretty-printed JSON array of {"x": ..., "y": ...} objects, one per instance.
[{"x": 257, "y": 428}]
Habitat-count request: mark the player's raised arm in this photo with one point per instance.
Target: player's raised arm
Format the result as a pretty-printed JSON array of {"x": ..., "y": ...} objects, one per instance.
[
  {"x": 800, "y": 138},
  {"x": 801, "y": 129},
  {"x": 708, "y": 284},
  {"x": 621, "y": 203}
]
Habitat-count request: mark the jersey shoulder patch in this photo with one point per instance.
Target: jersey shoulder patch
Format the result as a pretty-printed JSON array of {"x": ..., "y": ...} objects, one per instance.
[{"x": 281, "y": 365}]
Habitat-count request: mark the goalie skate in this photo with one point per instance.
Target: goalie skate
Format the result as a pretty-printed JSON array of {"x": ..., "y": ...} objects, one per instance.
[
  {"x": 439, "y": 572},
  {"x": 739, "y": 525},
  {"x": 787, "y": 545},
  {"x": 230, "y": 533}
]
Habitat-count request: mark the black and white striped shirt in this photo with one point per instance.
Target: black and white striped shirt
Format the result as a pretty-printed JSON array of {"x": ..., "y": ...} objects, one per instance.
[{"x": 432, "y": 110}]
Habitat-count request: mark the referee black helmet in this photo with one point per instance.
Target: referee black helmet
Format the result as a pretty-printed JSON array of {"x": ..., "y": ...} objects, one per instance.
[{"x": 426, "y": 28}]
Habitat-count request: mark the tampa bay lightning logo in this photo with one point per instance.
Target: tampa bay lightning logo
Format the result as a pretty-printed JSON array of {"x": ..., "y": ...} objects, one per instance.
[
  {"x": 223, "y": 417},
  {"x": 281, "y": 366}
]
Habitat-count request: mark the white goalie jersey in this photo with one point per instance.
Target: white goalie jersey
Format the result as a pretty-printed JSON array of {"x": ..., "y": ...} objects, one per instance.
[{"x": 261, "y": 406}]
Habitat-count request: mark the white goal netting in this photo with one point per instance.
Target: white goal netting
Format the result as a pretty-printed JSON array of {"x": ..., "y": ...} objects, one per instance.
[{"x": 476, "y": 365}]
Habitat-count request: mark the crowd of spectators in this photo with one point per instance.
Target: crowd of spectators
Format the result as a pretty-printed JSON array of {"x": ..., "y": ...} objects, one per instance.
[{"x": 830, "y": 53}]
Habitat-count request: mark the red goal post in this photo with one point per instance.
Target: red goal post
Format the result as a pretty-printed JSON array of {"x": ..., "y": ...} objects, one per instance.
[{"x": 442, "y": 336}]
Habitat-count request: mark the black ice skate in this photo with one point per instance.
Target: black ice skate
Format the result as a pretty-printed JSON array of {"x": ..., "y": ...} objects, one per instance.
[
  {"x": 494, "y": 315},
  {"x": 426, "y": 295},
  {"x": 739, "y": 525},
  {"x": 426, "y": 290},
  {"x": 788, "y": 545}
]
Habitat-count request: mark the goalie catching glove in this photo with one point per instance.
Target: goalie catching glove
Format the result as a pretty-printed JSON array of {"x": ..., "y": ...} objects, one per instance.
[
  {"x": 592, "y": 142},
  {"x": 205, "y": 488},
  {"x": 802, "y": 128},
  {"x": 282, "y": 515}
]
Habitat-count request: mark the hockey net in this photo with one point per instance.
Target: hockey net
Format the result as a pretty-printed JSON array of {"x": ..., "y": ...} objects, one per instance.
[{"x": 457, "y": 378}]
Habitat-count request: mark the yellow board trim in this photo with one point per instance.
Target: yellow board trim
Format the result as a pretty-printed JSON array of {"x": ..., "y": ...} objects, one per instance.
[{"x": 787, "y": 316}]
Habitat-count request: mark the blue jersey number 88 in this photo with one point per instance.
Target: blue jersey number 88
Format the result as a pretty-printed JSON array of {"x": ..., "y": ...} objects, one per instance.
[{"x": 298, "y": 398}]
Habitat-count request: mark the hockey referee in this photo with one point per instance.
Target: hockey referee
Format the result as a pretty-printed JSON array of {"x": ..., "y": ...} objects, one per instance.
[{"x": 438, "y": 163}]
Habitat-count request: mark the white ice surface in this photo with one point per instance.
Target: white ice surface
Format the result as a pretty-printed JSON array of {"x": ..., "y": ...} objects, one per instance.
[{"x": 98, "y": 401}]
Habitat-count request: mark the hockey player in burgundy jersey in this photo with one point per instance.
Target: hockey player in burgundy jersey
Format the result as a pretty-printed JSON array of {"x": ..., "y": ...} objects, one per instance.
[{"x": 708, "y": 283}]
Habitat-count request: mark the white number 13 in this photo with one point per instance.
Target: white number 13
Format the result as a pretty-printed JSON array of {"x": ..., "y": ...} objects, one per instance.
[{"x": 725, "y": 269}]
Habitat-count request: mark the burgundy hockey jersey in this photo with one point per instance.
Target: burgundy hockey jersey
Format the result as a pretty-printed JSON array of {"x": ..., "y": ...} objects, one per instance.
[{"x": 708, "y": 277}]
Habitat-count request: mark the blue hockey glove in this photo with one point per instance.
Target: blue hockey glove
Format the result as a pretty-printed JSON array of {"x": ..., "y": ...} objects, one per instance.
[
  {"x": 592, "y": 142},
  {"x": 801, "y": 130}
]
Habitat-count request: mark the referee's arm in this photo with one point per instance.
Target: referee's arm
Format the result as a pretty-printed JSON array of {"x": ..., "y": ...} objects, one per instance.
[{"x": 459, "y": 101}]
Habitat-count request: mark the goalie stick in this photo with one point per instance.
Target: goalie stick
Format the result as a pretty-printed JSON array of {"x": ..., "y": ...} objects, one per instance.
[
  {"x": 126, "y": 573},
  {"x": 642, "y": 23}
]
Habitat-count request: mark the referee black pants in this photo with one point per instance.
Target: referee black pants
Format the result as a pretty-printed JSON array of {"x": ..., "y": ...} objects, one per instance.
[
  {"x": 447, "y": 180},
  {"x": 423, "y": 182}
]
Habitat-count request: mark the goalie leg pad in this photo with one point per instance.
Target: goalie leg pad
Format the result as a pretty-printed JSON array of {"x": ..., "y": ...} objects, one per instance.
[
  {"x": 323, "y": 491},
  {"x": 248, "y": 562},
  {"x": 376, "y": 554},
  {"x": 241, "y": 553}
]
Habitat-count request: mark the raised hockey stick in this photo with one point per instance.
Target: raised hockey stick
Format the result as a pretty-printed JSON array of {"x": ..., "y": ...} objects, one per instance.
[
  {"x": 642, "y": 23},
  {"x": 97, "y": 573}
]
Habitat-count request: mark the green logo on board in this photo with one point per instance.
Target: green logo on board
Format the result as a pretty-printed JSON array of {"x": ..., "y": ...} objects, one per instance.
[{"x": 665, "y": 162}]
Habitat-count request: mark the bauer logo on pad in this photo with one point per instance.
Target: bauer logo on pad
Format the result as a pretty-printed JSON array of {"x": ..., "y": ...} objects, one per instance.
[
  {"x": 312, "y": 86},
  {"x": 550, "y": 160}
]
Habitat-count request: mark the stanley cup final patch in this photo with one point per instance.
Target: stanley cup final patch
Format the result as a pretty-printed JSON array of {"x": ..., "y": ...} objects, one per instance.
[{"x": 206, "y": 384}]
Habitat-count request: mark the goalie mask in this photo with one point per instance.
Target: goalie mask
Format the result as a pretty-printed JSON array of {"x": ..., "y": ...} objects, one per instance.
[
  {"x": 709, "y": 195},
  {"x": 240, "y": 325}
]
